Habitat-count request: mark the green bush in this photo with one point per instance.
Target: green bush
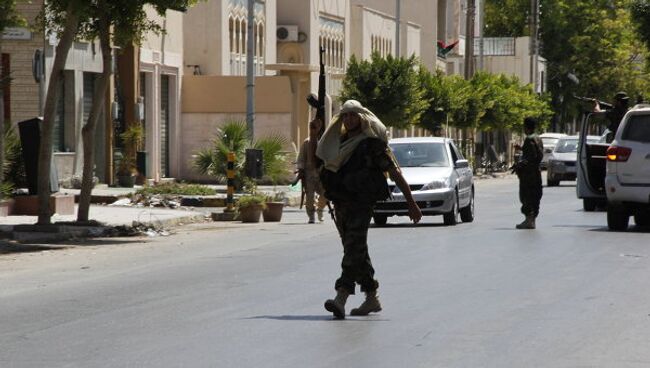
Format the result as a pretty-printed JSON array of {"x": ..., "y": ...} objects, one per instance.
[
  {"x": 233, "y": 136},
  {"x": 251, "y": 200},
  {"x": 177, "y": 189},
  {"x": 14, "y": 165}
]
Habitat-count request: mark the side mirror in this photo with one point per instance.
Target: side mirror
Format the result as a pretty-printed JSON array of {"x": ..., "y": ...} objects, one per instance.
[{"x": 461, "y": 164}]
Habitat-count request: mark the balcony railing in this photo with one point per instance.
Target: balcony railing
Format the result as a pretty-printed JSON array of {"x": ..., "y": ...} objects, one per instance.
[{"x": 501, "y": 46}]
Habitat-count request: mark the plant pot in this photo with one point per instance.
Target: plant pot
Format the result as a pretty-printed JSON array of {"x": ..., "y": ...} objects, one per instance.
[
  {"x": 273, "y": 211},
  {"x": 126, "y": 181},
  {"x": 6, "y": 207},
  {"x": 250, "y": 213}
]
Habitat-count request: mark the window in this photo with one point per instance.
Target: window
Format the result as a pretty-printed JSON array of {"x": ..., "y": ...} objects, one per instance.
[
  {"x": 637, "y": 129},
  {"x": 332, "y": 39},
  {"x": 238, "y": 36},
  {"x": 421, "y": 154}
]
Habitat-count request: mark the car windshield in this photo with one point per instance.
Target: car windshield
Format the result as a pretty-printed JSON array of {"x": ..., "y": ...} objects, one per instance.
[
  {"x": 549, "y": 142},
  {"x": 566, "y": 145},
  {"x": 424, "y": 154}
]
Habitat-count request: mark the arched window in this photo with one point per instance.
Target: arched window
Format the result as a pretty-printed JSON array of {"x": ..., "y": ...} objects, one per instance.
[{"x": 237, "y": 25}]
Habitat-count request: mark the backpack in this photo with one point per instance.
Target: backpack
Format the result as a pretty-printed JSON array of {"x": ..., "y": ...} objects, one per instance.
[{"x": 358, "y": 180}]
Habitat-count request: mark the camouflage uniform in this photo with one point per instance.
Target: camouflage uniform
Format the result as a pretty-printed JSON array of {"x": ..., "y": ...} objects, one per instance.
[
  {"x": 354, "y": 210},
  {"x": 530, "y": 175},
  {"x": 311, "y": 183}
]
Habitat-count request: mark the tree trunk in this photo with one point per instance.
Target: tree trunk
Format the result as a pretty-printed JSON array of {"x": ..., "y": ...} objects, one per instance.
[
  {"x": 45, "y": 149},
  {"x": 88, "y": 131}
]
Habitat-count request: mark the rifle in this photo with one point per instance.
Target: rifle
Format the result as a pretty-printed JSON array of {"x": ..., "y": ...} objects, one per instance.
[
  {"x": 320, "y": 109},
  {"x": 603, "y": 104}
]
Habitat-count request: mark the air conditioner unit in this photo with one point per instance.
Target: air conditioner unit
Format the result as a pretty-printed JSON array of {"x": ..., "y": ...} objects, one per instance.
[{"x": 287, "y": 33}]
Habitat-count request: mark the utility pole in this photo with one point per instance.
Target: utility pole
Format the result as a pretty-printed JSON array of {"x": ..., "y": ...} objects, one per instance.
[
  {"x": 250, "y": 70},
  {"x": 469, "y": 39},
  {"x": 398, "y": 16},
  {"x": 534, "y": 46},
  {"x": 481, "y": 30}
]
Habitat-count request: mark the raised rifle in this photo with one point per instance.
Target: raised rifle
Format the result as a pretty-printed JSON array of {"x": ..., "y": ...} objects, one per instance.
[{"x": 603, "y": 104}]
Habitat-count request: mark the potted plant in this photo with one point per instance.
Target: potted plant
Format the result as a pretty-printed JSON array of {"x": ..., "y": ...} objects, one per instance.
[
  {"x": 274, "y": 207},
  {"x": 126, "y": 172},
  {"x": 250, "y": 207}
]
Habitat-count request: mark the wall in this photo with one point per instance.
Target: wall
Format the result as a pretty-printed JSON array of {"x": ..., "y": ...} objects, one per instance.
[
  {"x": 203, "y": 32},
  {"x": 24, "y": 90},
  {"x": 209, "y": 101}
]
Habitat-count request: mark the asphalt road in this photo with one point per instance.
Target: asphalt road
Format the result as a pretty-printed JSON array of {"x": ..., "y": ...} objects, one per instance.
[{"x": 569, "y": 294}]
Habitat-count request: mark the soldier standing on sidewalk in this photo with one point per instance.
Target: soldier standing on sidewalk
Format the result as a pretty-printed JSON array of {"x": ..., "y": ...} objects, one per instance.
[
  {"x": 356, "y": 155},
  {"x": 308, "y": 167},
  {"x": 530, "y": 175}
]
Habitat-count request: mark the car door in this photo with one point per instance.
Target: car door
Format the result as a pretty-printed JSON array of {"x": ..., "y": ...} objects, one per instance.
[{"x": 464, "y": 175}]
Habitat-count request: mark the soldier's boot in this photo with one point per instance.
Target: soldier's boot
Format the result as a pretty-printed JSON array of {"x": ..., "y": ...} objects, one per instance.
[
  {"x": 337, "y": 305},
  {"x": 528, "y": 223},
  {"x": 319, "y": 212},
  {"x": 310, "y": 215},
  {"x": 370, "y": 305}
]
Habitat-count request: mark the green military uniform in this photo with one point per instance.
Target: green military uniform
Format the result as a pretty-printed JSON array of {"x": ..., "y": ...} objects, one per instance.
[
  {"x": 530, "y": 175},
  {"x": 359, "y": 183}
]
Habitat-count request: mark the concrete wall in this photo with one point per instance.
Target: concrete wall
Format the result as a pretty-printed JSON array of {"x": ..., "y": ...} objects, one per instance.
[
  {"x": 24, "y": 90},
  {"x": 209, "y": 101},
  {"x": 200, "y": 129},
  {"x": 204, "y": 36}
]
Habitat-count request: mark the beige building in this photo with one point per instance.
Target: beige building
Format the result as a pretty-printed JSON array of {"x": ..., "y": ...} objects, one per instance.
[{"x": 288, "y": 35}]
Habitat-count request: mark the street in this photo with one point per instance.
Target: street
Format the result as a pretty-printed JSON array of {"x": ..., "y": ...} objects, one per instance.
[{"x": 569, "y": 294}]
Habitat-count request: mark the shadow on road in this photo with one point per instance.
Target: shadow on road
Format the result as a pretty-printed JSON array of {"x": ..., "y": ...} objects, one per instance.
[
  {"x": 318, "y": 318},
  {"x": 10, "y": 247}
]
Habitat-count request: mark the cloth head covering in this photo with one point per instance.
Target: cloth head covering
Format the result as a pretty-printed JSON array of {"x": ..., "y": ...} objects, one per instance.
[{"x": 335, "y": 153}]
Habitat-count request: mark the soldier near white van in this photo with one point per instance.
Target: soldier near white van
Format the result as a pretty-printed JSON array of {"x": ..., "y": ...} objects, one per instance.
[{"x": 614, "y": 113}]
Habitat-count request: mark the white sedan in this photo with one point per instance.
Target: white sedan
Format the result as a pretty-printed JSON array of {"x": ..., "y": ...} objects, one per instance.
[{"x": 439, "y": 177}]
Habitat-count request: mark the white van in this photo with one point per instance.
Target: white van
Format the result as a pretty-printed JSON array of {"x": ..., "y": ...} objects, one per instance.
[{"x": 627, "y": 179}]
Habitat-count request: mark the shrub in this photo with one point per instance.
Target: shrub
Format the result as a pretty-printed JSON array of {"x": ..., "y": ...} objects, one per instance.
[{"x": 177, "y": 189}]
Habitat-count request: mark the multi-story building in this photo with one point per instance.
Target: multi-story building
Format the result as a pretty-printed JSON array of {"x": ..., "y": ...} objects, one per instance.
[{"x": 156, "y": 66}]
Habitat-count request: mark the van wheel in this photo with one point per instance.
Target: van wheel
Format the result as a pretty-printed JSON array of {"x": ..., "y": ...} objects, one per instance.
[
  {"x": 380, "y": 220},
  {"x": 552, "y": 183},
  {"x": 451, "y": 218},
  {"x": 589, "y": 205},
  {"x": 618, "y": 218},
  {"x": 467, "y": 213}
]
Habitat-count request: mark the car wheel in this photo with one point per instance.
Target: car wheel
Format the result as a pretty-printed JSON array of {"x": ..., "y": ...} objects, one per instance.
[
  {"x": 467, "y": 213},
  {"x": 451, "y": 218},
  {"x": 380, "y": 220},
  {"x": 642, "y": 219},
  {"x": 589, "y": 205},
  {"x": 617, "y": 218}
]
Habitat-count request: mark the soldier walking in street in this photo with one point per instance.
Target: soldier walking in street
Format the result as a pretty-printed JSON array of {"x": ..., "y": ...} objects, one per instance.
[
  {"x": 530, "y": 176},
  {"x": 356, "y": 156},
  {"x": 308, "y": 172}
]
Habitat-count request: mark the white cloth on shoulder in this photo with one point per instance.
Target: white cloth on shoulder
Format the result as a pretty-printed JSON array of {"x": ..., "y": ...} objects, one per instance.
[{"x": 335, "y": 153}]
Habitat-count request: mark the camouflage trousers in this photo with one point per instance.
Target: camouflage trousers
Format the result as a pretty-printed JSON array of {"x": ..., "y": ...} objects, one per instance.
[
  {"x": 352, "y": 221},
  {"x": 530, "y": 194},
  {"x": 314, "y": 194}
]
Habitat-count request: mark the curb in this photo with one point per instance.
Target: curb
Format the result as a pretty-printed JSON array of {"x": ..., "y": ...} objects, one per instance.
[{"x": 61, "y": 232}]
